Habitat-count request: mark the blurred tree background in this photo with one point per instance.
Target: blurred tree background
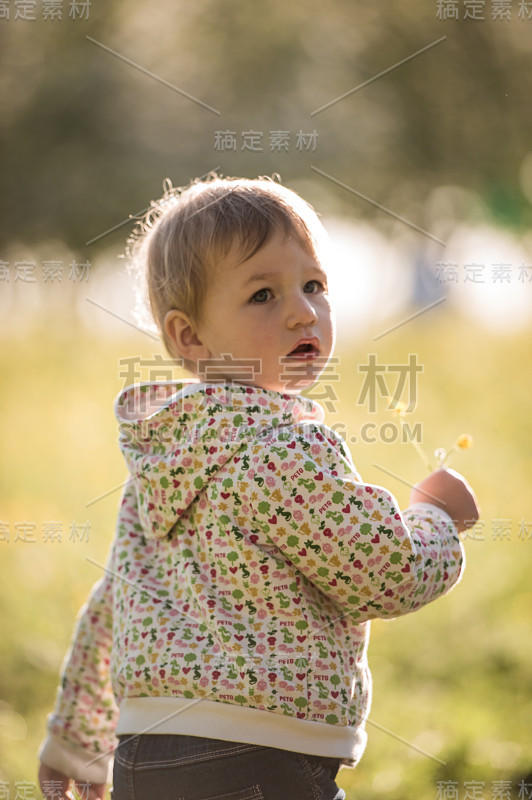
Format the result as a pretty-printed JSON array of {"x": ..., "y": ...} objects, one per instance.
[
  {"x": 443, "y": 140},
  {"x": 88, "y": 135}
]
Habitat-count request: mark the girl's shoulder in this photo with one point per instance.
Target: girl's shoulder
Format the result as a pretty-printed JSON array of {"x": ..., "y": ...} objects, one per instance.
[{"x": 314, "y": 441}]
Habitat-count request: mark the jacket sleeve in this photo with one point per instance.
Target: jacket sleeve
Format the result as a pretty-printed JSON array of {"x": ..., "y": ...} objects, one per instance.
[
  {"x": 80, "y": 741},
  {"x": 347, "y": 537}
]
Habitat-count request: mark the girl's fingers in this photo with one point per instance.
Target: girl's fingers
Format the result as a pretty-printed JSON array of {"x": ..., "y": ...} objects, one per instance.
[{"x": 96, "y": 791}]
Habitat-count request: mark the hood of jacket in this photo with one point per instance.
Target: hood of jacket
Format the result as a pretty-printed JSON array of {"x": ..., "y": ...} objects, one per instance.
[{"x": 175, "y": 438}]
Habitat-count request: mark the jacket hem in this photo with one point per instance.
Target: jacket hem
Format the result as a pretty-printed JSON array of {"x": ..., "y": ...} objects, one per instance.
[{"x": 218, "y": 720}]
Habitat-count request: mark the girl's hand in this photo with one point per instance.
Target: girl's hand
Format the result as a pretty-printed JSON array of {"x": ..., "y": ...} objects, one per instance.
[
  {"x": 50, "y": 791},
  {"x": 451, "y": 492}
]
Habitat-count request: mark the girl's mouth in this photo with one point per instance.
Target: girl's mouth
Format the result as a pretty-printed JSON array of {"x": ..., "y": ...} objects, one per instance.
[{"x": 305, "y": 351}]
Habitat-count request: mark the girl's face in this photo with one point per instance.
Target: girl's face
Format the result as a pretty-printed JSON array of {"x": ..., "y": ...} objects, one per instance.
[{"x": 267, "y": 321}]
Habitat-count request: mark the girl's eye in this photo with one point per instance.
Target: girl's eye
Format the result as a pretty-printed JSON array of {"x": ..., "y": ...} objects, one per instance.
[
  {"x": 261, "y": 296},
  {"x": 311, "y": 287}
]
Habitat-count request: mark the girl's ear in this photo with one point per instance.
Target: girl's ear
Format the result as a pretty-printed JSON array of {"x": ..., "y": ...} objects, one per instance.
[{"x": 183, "y": 337}]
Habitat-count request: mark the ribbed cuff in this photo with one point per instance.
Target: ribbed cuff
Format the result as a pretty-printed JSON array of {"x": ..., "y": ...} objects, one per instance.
[
  {"x": 76, "y": 762},
  {"x": 430, "y": 508}
]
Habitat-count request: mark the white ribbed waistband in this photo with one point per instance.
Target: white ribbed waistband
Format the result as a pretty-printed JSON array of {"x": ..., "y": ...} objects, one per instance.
[{"x": 218, "y": 720}]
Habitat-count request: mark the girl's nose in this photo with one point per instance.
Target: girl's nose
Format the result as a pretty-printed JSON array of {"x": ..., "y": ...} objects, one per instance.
[{"x": 301, "y": 312}]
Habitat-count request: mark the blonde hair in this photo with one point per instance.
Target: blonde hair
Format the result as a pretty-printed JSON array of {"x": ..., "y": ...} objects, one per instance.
[{"x": 189, "y": 229}]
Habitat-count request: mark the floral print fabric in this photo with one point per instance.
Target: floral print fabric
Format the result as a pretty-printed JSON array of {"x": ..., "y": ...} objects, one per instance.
[{"x": 248, "y": 561}]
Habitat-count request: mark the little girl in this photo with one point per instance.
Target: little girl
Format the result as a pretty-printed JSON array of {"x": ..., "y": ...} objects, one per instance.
[{"x": 223, "y": 653}]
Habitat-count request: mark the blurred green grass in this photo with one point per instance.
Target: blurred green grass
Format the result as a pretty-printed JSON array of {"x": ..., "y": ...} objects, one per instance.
[{"x": 453, "y": 680}]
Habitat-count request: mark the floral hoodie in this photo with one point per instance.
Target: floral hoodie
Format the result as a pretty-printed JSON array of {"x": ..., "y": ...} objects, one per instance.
[{"x": 248, "y": 561}]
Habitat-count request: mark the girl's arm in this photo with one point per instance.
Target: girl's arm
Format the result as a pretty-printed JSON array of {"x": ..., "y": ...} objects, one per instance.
[
  {"x": 349, "y": 538},
  {"x": 81, "y": 741}
]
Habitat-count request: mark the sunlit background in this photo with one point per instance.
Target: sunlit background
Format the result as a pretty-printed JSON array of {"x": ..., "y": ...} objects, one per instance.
[{"x": 423, "y": 178}]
